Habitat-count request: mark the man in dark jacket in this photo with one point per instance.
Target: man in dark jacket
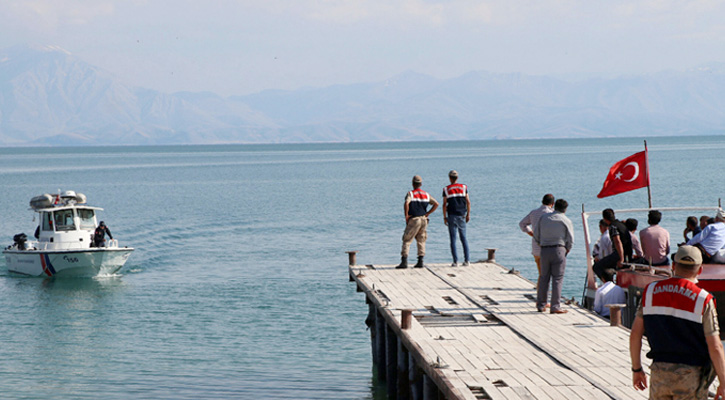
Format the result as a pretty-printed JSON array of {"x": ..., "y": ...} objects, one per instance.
[
  {"x": 99, "y": 236},
  {"x": 621, "y": 244}
]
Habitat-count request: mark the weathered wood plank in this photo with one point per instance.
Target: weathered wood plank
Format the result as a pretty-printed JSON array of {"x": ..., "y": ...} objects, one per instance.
[{"x": 526, "y": 355}]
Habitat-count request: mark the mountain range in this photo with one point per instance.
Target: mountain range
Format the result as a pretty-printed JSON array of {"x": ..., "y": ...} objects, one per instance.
[{"x": 51, "y": 97}]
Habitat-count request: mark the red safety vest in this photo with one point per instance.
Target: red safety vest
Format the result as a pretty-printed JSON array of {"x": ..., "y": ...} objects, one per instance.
[
  {"x": 455, "y": 195},
  {"x": 419, "y": 201},
  {"x": 673, "y": 314}
]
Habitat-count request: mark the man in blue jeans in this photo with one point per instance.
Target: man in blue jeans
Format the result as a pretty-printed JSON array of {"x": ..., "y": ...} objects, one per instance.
[{"x": 456, "y": 213}]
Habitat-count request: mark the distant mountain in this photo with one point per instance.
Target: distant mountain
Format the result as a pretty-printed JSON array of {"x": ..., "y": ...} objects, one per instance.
[
  {"x": 50, "y": 97},
  {"x": 480, "y": 105}
]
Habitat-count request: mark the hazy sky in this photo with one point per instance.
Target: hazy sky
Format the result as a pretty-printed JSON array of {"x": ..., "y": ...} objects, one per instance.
[{"x": 239, "y": 47}]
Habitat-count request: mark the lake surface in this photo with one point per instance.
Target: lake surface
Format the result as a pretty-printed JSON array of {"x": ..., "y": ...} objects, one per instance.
[{"x": 238, "y": 287}]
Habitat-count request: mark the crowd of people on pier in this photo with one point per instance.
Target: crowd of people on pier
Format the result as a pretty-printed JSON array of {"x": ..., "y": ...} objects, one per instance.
[
  {"x": 678, "y": 317},
  {"x": 619, "y": 242}
]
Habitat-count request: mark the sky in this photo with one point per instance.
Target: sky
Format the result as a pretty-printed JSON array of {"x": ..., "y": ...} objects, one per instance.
[{"x": 239, "y": 47}]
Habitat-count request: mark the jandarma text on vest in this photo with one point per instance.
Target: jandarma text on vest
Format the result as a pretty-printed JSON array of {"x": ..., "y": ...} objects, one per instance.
[{"x": 676, "y": 289}]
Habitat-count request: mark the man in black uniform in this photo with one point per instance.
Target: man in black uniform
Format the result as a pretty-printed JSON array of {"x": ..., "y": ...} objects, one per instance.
[
  {"x": 621, "y": 244},
  {"x": 99, "y": 236}
]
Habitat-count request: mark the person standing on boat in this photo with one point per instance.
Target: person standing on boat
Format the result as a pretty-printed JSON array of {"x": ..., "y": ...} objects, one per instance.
[
  {"x": 416, "y": 221},
  {"x": 528, "y": 224},
  {"x": 655, "y": 240},
  {"x": 99, "y": 236},
  {"x": 456, "y": 214},
  {"x": 680, "y": 321},
  {"x": 555, "y": 234},
  {"x": 711, "y": 239},
  {"x": 621, "y": 244}
]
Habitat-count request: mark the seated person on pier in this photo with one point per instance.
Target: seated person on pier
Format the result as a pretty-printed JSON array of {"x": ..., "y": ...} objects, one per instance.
[
  {"x": 691, "y": 226},
  {"x": 711, "y": 239},
  {"x": 656, "y": 240},
  {"x": 603, "y": 247},
  {"x": 608, "y": 293},
  {"x": 621, "y": 244},
  {"x": 638, "y": 256}
]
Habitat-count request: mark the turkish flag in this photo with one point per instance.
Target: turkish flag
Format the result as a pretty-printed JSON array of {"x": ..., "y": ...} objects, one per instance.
[{"x": 625, "y": 175}]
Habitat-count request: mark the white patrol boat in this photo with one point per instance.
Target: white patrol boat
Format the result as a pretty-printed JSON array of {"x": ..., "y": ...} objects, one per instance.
[{"x": 65, "y": 245}]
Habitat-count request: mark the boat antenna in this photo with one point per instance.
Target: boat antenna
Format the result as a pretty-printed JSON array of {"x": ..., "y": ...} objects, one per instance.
[{"x": 646, "y": 160}]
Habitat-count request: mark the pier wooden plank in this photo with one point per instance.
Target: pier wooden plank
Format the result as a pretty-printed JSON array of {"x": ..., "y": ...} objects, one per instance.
[{"x": 481, "y": 323}]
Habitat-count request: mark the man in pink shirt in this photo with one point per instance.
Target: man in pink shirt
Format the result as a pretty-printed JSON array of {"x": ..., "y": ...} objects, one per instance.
[{"x": 655, "y": 240}]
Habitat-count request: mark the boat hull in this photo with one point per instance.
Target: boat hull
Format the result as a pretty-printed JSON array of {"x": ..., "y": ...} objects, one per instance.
[{"x": 67, "y": 263}]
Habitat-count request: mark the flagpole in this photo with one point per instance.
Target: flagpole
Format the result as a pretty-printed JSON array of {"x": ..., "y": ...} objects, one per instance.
[{"x": 646, "y": 161}]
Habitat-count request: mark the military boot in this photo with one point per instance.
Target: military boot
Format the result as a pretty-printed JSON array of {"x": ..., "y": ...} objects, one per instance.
[
  {"x": 420, "y": 263},
  {"x": 403, "y": 263}
]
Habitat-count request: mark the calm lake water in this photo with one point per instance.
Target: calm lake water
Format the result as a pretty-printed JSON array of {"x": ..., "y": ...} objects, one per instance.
[{"x": 238, "y": 287}]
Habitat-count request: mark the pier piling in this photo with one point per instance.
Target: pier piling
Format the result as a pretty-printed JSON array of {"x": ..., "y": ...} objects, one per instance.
[
  {"x": 403, "y": 376},
  {"x": 380, "y": 345},
  {"x": 391, "y": 350}
]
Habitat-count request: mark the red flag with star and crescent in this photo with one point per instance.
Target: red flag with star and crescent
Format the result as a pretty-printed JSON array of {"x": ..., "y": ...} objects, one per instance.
[{"x": 625, "y": 175}]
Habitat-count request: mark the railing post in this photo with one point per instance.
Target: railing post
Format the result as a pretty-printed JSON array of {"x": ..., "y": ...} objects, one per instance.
[
  {"x": 615, "y": 313},
  {"x": 491, "y": 255}
]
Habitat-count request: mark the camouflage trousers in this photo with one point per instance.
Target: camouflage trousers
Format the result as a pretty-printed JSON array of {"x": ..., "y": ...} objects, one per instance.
[
  {"x": 415, "y": 229},
  {"x": 680, "y": 381}
]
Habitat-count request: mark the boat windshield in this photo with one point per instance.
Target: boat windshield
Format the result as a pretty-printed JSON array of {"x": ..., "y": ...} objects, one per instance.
[
  {"x": 86, "y": 217},
  {"x": 64, "y": 220}
]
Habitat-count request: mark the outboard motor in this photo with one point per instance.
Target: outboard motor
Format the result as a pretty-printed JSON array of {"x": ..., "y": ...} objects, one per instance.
[{"x": 20, "y": 240}]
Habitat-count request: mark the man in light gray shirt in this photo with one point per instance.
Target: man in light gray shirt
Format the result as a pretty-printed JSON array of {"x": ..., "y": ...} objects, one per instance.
[
  {"x": 528, "y": 224},
  {"x": 555, "y": 234}
]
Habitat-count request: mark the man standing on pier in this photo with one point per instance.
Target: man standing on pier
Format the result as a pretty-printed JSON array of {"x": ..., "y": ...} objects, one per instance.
[
  {"x": 555, "y": 234},
  {"x": 528, "y": 224},
  {"x": 680, "y": 321},
  {"x": 456, "y": 214},
  {"x": 416, "y": 221}
]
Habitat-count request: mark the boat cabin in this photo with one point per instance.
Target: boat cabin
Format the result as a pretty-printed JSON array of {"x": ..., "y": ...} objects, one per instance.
[
  {"x": 65, "y": 221},
  {"x": 66, "y": 227}
]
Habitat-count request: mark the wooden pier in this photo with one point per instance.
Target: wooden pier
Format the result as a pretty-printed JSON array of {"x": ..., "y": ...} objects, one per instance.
[{"x": 443, "y": 332}]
